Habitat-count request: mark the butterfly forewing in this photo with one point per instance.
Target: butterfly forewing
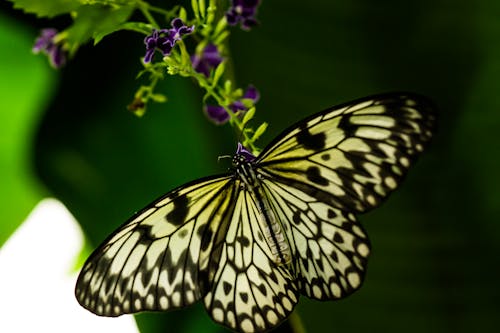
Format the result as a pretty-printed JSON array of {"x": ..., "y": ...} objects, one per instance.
[
  {"x": 159, "y": 259},
  {"x": 351, "y": 157}
]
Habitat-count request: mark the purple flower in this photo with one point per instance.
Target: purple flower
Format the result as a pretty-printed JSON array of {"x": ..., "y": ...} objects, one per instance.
[
  {"x": 249, "y": 157},
  {"x": 220, "y": 116},
  {"x": 54, "y": 51},
  {"x": 165, "y": 39},
  {"x": 209, "y": 59},
  {"x": 157, "y": 40},
  {"x": 179, "y": 29},
  {"x": 243, "y": 11}
]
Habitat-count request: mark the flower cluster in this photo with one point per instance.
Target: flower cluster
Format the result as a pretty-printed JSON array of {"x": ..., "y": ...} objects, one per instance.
[
  {"x": 165, "y": 39},
  {"x": 219, "y": 115},
  {"x": 46, "y": 44},
  {"x": 206, "y": 66},
  {"x": 243, "y": 11}
]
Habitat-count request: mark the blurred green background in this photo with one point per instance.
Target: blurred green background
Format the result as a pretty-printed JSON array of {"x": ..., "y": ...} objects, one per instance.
[{"x": 435, "y": 265}]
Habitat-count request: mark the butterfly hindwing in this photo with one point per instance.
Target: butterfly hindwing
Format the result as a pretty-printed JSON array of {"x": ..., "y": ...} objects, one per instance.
[
  {"x": 329, "y": 248},
  {"x": 250, "y": 293},
  {"x": 158, "y": 260},
  {"x": 352, "y": 156}
]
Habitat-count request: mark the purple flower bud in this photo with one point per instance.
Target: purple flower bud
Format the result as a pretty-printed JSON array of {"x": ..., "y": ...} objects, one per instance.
[
  {"x": 209, "y": 59},
  {"x": 220, "y": 116},
  {"x": 54, "y": 51},
  {"x": 249, "y": 157},
  {"x": 217, "y": 114},
  {"x": 243, "y": 11}
]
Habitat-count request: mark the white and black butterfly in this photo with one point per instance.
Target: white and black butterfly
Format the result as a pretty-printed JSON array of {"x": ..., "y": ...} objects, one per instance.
[{"x": 249, "y": 242}]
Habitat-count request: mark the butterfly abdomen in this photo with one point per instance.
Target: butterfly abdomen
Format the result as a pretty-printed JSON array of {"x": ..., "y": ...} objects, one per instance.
[
  {"x": 272, "y": 230},
  {"x": 270, "y": 226}
]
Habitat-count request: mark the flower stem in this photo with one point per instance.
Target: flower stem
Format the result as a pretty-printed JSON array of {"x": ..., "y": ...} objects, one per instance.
[{"x": 144, "y": 7}]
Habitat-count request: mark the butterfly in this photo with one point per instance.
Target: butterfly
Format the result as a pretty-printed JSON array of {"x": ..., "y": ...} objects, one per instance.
[{"x": 282, "y": 224}]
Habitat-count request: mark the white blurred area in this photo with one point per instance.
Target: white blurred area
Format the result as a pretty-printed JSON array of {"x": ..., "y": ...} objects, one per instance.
[{"x": 36, "y": 283}]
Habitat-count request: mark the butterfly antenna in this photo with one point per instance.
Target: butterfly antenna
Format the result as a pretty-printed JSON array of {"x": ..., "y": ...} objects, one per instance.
[{"x": 222, "y": 157}]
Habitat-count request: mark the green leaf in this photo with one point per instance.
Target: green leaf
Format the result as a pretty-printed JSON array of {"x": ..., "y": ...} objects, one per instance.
[
  {"x": 46, "y": 8},
  {"x": 183, "y": 14},
  {"x": 140, "y": 27},
  {"x": 218, "y": 73},
  {"x": 196, "y": 11},
  {"x": 227, "y": 87},
  {"x": 221, "y": 25},
  {"x": 158, "y": 98},
  {"x": 202, "y": 8},
  {"x": 248, "y": 116},
  {"x": 211, "y": 11},
  {"x": 27, "y": 84},
  {"x": 260, "y": 130},
  {"x": 220, "y": 38},
  {"x": 97, "y": 22}
]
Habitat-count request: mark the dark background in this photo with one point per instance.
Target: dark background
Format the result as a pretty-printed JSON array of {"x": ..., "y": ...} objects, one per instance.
[{"x": 435, "y": 262}]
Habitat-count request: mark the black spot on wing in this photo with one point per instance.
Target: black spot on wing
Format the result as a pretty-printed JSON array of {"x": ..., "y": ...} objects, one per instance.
[
  {"x": 244, "y": 241},
  {"x": 206, "y": 235},
  {"x": 314, "y": 175},
  {"x": 227, "y": 287},
  {"x": 244, "y": 297},
  {"x": 337, "y": 238},
  {"x": 183, "y": 233},
  {"x": 178, "y": 215},
  {"x": 311, "y": 141}
]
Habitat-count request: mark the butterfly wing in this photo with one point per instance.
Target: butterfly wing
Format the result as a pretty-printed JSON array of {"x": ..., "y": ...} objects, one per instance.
[
  {"x": 329, "y": 247},
  {"x": 250, "y": 293},
  {"x": 352, "y": 156},
  {"x": 158, "y": 260},
  {"x": 341, "y": 161},
  {"x": 202, "y": 240}
]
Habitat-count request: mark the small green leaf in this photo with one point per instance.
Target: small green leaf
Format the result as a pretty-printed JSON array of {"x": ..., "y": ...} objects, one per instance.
[
  {"x": 159, "y": 98},
  {"x": 211, "y": 11},
  {"x": 248, "y": 116},
  {"x": 221, "y": 37},
  {"x": 202, "y": 7},
  {"x": 260, "y": 130},
  {"x": 183, "y": 14},
  {"x": 227, "y": 87},
  {"x": 46, "y": 8},
  {"x": 247, "y": 102},
  {"x": 221, "y": 25},
  {"x": 196, "y": 11},
  {"x": 218, "y": 73}
]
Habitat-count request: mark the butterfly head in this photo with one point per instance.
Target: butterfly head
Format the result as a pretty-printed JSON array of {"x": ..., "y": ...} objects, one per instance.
[{"x": 242, "y": 155}]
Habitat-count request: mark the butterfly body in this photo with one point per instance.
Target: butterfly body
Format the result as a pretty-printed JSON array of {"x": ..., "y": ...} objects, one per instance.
[
  {"x": 279, "y": 225},
  {"x": 271, "y": 227}
]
